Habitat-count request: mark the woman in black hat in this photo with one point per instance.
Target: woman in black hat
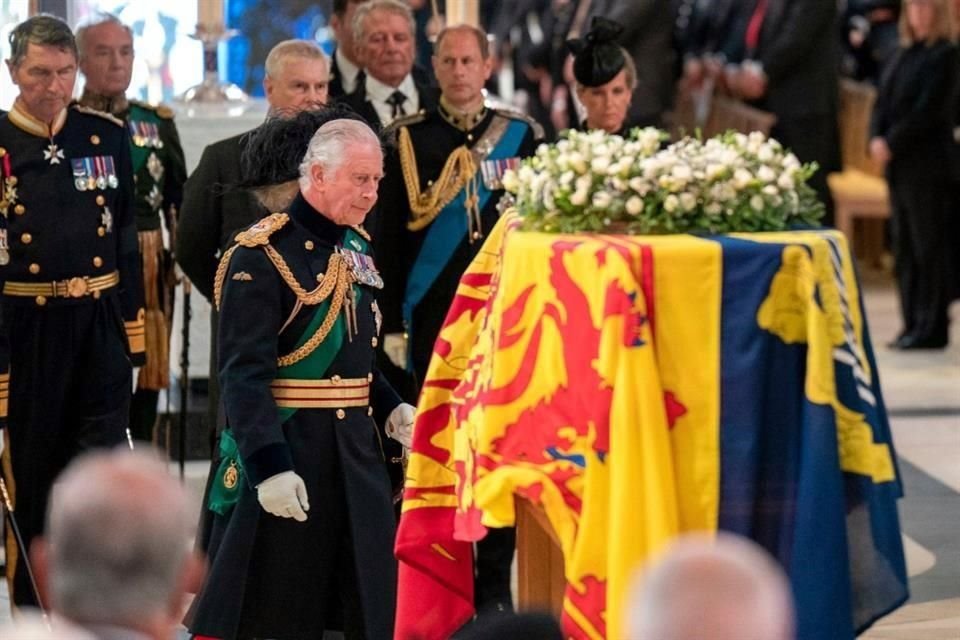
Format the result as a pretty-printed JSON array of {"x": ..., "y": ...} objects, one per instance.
[{"x": 605, "y": 77}]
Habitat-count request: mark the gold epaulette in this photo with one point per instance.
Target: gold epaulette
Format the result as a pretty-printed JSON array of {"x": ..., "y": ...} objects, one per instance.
[
  {"x": 360, "y": 231},
  {"x": 94, "y": 112},
  {"x": 259, "y": 234},
  {"x": 392, "y": 129},
  {"x": 516, "y": 114},
  {"x": 162, "y": 110},
  {"x": 256, "y": 236}
]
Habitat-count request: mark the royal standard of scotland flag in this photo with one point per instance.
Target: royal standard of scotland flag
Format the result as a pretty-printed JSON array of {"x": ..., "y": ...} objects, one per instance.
[{"x": 639, "y": 387}]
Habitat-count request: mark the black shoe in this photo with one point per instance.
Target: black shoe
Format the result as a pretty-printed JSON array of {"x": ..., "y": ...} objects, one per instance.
[
  {"x": 913, "y": 343},
  {"x": 897, "y": 343}
]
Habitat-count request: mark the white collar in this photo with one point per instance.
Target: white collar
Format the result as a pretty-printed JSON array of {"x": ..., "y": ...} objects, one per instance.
[
  {"x": 379, "y": 92},
  {"x": 348, "y": 71}
]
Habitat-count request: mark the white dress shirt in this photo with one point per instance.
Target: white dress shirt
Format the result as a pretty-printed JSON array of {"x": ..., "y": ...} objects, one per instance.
[
  {"x": 348, "y": 72},
  {"x": 378, "y": 93}
]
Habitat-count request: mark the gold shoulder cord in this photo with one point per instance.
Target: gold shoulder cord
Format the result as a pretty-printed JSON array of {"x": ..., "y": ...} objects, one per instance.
[
  {"x": 458, "y": 172},
  {"x": 337, "y": 281}
]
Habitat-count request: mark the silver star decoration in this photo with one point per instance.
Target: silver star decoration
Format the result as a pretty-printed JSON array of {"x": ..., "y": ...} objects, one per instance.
[
  {"x": 155, "y": 167},
  {"x": 106, "y": 219},
  {"x": 154, "y": 198},
  {"x": 53, "y": 154}
]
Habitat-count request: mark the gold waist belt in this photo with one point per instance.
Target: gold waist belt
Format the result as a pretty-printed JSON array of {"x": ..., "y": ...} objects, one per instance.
[
  {"x": 77, "y": 287},
  {"x": 333, "y": 393}
]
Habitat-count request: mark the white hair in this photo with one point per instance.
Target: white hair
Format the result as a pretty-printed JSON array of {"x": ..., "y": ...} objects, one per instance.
[
  {"x": 390, "y": 6},
  {"x": 96, "y": 20},
  {"x": 118, "y": 533},
  {"x": 329, "y": 145},
  {"x": 727, "y": 588}
]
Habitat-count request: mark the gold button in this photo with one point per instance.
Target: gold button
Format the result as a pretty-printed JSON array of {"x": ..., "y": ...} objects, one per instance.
[
  {"x": 336, "y": 379},
  {"x": 369, "y": 411},
  {"x": 308, "y": 245},
  {"x": 96, "y": 294},
  {"x": 100, "y": 200},
  {"x": 19, "y": 209},
  {"x": 101, "y": 231},
  {"x": 369, "y": 377},
  {"x": 319, "y": 277},
  {"x": 95, "y": 139},
  {"x": 97, "y": 261},
  {"x": 341, "y": 414},
  {"x": 373, "y": 341},
  {"x": 26, "y": 238},
  {"x": 34, "y": 268},
  {"x": 41, "y": 300}
]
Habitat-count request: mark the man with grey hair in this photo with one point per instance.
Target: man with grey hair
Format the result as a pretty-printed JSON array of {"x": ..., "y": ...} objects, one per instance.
[
  {"x": 302, "y": 539},
  {"x": 72, "y": 298},
  {"x": 385, "y": 37},
  {"x": 159, "y": 169},
  {"x": 723, "y": 588},
  {"x": 116, "y": 558}
]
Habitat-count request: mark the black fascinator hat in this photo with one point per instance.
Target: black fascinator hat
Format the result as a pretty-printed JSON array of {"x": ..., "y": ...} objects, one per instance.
[{"x": 597, "y": 56}]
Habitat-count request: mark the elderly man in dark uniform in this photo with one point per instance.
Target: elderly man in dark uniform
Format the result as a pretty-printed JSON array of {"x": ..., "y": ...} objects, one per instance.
[
  {"x": 438, "y": 199},
  {"x": 72, "y": 300},
  {"x": 304, "y": 537},
  {"x": 106, "y": 60}
]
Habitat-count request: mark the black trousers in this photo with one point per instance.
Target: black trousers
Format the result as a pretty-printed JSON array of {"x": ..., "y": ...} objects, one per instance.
[
  {"x": 813, "y": 138},
  {"x": 921, "y": 201},
  {"x": 70, "y": 377}
]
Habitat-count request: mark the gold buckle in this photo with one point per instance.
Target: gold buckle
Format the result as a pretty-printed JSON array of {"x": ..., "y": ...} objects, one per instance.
[{"x": 77, "y": 287}]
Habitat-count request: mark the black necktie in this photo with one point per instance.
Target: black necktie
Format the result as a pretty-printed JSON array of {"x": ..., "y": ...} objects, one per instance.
[{"x": 396, "y": 101}]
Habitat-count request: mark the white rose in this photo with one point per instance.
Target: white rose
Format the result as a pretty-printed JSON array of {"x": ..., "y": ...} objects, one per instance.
[
  {"x": 766, "y": 174},
  {"x": 670, "y": 203},
  {"x": 756, "y": 203},
  {"x": 600, "y": 164},
  {"x": 566, "y": 178},
  {"x": 578, "y": 163},
  {"x": 579, "y": 198},
  {"x": 742, "y": 178},
  {"x": 790, "y": 161},
  {"x": 785, "y": 181},
  {"x": 713, "y": 209},
  {"x": 715, "y": 171},
  {"x": 634, "y": 205},
  {"x": 688, "y": 201},
  {"x": 510, "y": 181},
  {"x": 602, "y": 199},
  {"x": 682, "y": 172},
  {"x": 583, "y": 183},
  {"x": 765, "y": 154},
  {"x": 770, "y": 190}
]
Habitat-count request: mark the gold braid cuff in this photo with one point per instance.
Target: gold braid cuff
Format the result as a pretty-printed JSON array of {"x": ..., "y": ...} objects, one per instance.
[{"x": 458, "y": 171}]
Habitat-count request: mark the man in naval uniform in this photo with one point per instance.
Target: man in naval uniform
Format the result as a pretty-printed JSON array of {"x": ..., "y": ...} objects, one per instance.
[
  {"x": 72, "y": 298},
  {"x": 303, "y": 539},
  {"x": 159, "y": 170},
  {"x": 439, "y": 198}
]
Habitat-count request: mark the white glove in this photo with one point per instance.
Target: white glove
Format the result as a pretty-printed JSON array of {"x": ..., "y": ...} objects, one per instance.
[
  {"x": 285, "y": 496},
  {"x": 395, "y": 346},
  {"x": 136, "y": 378},
  {"x": 400, "y": 424}
]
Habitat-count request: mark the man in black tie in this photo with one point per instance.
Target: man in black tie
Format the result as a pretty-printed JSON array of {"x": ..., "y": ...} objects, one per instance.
[
  {"x": 346, "y": 71},
  {"x": 384, "y": 32}
]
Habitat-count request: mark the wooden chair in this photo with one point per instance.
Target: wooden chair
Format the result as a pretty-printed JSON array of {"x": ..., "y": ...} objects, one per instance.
[
  {"x": 727, "y": 113},
  {"x": 859, "y": 190}
]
